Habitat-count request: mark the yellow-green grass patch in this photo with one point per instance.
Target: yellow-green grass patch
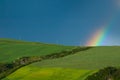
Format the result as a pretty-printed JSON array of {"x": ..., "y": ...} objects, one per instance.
[{"x": 37, "y": 73}]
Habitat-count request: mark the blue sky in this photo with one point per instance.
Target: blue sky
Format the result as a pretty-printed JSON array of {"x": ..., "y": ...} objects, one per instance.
[{"x": 68, "y": 22}]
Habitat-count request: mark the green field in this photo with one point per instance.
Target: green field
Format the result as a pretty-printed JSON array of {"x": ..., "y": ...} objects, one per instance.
[
  {"x": 94, "y": 58},
  {"x": 37, "y": 73},
  {"x": 14, "y": 49},
  {"x": 72, "y": 67}
]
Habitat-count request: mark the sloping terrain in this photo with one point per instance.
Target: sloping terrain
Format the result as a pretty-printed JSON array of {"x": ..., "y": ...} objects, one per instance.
[
  {"x": 36, "y": 73},
  {"x": 73, "y": 67},
  {"x": 94, "y": 58},
  {"x": 14, "y": 49}
]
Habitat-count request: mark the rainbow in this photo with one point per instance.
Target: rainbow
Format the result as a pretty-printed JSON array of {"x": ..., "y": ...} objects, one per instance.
[{"x": 97, "y": 37}]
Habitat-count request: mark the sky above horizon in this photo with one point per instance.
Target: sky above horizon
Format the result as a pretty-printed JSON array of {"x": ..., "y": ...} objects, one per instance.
[{"x": 68, "y": 22}]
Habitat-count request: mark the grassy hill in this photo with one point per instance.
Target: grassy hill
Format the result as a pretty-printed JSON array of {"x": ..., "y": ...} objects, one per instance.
[
  {"x": 72, "y": 67},
  {"x": 94, "y": 58},
  {"x": 13, "y": 49},
  {"x": 37, "y": 73}
]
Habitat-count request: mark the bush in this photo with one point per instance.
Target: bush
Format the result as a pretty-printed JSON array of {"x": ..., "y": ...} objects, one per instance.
[{"x": 109, "y": 73}]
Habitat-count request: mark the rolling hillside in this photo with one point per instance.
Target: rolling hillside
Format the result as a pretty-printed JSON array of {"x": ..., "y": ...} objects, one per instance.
[
  {"x": 14, "y": 49},
  {"x": 37, "y": 73},
  {"x": 73, "y": 67},
  {"x": 94, "y": 58}
]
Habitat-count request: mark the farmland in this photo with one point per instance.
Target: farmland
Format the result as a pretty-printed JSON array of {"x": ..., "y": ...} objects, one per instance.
[{"x": 76, "y": 66}]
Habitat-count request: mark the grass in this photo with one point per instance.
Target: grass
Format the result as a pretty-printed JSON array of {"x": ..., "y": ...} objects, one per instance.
[
  {"x": 13, "y": 49},
  {"x": 94, "y": 58},
  {"x": 72, "y": 67},
  {"x": 36, "y": 73}
]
